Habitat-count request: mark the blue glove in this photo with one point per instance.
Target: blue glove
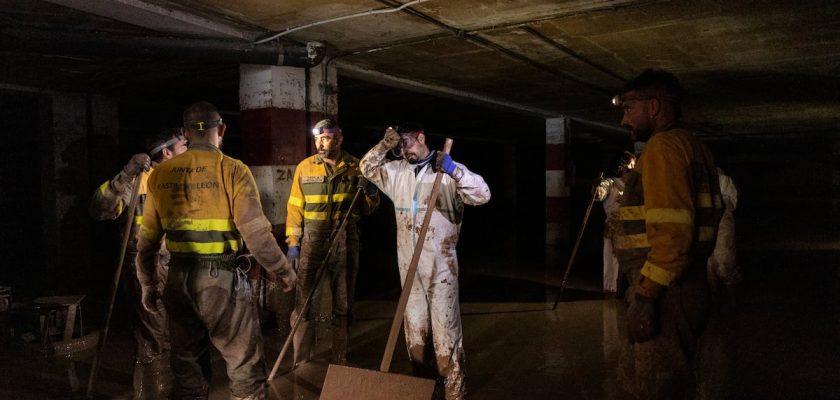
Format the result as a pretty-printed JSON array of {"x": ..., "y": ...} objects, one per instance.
[
  {"x": 443, "y": 162},
  {"x": 293, "y": 253}
]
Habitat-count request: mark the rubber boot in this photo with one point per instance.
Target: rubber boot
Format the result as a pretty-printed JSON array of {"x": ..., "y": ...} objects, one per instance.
[
  {"x": 302, "y": 341},
  {"x": 159, "y": 376},
  {"x": 340, "y": 334},
  {"x": 140, "y": 389},
  {"x": 152, "y": 380},
  {"x": 259, "y": 395}
]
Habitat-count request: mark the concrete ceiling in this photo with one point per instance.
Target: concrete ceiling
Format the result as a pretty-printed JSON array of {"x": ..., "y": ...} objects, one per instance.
[{"x": 749, "y": 66}]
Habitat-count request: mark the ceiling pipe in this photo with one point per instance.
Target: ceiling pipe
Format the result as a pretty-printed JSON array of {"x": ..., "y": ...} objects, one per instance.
[
  {"x": 481, "y": 41},
  {"x": 161, "y": 47}
]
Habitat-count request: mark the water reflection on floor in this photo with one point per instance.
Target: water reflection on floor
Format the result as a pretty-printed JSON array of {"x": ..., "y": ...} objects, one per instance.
[{"x": 783, "y": 344}]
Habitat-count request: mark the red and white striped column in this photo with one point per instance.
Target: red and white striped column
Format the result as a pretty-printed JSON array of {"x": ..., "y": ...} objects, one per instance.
[
  {"x": 275, "y": 127},
  {"x": 557, "y": 214}
]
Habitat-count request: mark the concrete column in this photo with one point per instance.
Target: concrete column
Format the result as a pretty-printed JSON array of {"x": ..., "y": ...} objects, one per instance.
[
  {"x": 279, "y": 105},
  {"x": 556, "y": 188}
]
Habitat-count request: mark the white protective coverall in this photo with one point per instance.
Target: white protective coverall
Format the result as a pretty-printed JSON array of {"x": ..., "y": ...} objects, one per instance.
[
  {"x": 609, "y": 194},
  {"x": 723, "y": 263},
  {"x": 433, "y": 308}
]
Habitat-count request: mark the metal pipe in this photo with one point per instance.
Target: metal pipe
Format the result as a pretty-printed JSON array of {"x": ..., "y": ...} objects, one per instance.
[
  {"x": 168, "y": 47},
  {"x": 481, "y": 41}
]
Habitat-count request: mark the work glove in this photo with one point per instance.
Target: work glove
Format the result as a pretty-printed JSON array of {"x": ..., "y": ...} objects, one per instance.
[
  {"x": 391, "y": 139},
  {"x": 138, "y": 162},
  {"x": 368, "y": 187},
  {"x": 287, "y": 280},
  {"x": 602, "y": 188},
  {"x": 642, "y": 319},
  {"x": 293, "y": 254},
  {"x": 443, "y": 162}
]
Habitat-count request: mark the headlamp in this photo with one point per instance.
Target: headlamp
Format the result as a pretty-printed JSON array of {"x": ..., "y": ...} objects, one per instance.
[
  {"x": 319, "y": 131},
  {"x": 203, "y": 125},
  {"x": 170, "y": 142},
  {"x": 621, "y": 101}
]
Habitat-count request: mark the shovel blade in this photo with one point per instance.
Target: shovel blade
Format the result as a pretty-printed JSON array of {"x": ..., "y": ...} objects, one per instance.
[{"x": 347, "y": 383}]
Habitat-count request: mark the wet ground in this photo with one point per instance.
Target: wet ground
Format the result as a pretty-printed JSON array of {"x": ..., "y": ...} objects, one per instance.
[{"x": 781, "y": 337}]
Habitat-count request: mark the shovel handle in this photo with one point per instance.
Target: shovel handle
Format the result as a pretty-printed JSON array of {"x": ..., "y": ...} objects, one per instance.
[
  {"x": 577, "y": 243},
  {"x": 412, "y": 269},
  {"x": 129, "y": 214},
  {"x": 322, "y": 268}
]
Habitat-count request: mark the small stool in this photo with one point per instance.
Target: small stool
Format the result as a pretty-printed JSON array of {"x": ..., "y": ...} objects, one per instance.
[{"x": 48, "y": 308}]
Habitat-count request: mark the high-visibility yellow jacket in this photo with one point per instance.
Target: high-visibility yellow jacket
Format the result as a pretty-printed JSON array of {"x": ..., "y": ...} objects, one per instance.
[
  {"x": 321, "y": 196},
  {"x": 206, "y": 203},
  {"x": 110, "y": 199},
  {"x": 670, "y": 210}
]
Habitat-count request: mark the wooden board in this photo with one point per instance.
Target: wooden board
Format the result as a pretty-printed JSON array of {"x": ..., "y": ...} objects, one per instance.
[{"x": 347, "y": 383}]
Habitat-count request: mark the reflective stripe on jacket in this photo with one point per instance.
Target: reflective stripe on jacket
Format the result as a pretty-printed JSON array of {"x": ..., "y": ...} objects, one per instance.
[
  {"x": 108, "y": 204},
  {"x": 319, "y": 198},
  {"x": 196, "y": 191},
  {"x": 671, "y": 207}
]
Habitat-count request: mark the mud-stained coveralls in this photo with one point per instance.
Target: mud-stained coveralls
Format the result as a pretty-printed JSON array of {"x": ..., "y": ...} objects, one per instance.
[
  {"x": 609, "y": 194},
  {"x": 669, "y": 217},
  {"x": 723, "y": 263},
  {"x": 206, "y": 204},
  {"x": 152, "y": 375},
  {"x": 433, "y": 307},
  {"x": 319, "y": 200},
  {"x": 718, "y": 346}
]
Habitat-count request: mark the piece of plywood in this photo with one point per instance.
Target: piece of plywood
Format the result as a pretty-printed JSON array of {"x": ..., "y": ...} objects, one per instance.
[{"x": 347, "y": 383}]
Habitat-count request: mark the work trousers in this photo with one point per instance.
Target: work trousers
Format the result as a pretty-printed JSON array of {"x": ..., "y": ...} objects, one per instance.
[
  {"x": 210, "y": 303},
  {"x": 342, "y": 268},
  {"x": 665, "y": 366},
  {"x": 341, "y": 271},
  {"x": 152, "y": 374},
  {"x": 610, "y": 267}
]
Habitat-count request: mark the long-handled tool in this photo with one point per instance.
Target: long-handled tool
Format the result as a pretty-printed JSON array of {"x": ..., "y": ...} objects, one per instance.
[
  {"x": 319, "y": 274},
  {"x": 346, "y": 383},
  {"x": 129, "y": 213},
  {"x": 577, "y": 242}
]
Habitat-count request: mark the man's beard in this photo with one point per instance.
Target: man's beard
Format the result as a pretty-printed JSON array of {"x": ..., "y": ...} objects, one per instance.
[{"x": 639, "y": 133}]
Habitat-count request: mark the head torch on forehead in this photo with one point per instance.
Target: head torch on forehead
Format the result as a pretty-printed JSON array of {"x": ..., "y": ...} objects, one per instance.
[
  {"x": 319, "y": 131},
  {"x": 622, "y": 101},
  {"x": 203, "y": 125},
  {"x": 167, "y": 144}
]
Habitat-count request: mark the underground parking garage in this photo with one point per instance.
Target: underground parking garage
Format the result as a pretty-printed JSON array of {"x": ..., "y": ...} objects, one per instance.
[{"x": 522, "y": 88}]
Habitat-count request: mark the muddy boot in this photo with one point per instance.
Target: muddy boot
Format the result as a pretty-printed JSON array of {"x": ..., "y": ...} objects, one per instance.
[
  {"x": 454, "y": 387},
  {"x": 152, "y": 380},
  {"x": 340, "y": 334},
  {"x": 141, "y": 392},
  {"x": 159, "y": 378},
  {"x": 302, "y": 341},
  {"x": 259, "y": 395}
]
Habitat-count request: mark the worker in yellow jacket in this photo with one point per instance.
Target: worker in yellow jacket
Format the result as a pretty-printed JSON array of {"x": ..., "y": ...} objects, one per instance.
[
  {"x": 152, "y": 375},
  {"x": 206, "y": 204},
  {"x": 669, "y": 216},
  {"x": 323, "y": 187}
]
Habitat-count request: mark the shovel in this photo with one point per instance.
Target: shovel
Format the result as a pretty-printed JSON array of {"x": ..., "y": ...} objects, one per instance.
[
  {"x": 577, "y": 244},
  {"x": 347, "y": 383},
  {"x": 319, "y": 274},
  {"x": 129, "y": 213}
]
